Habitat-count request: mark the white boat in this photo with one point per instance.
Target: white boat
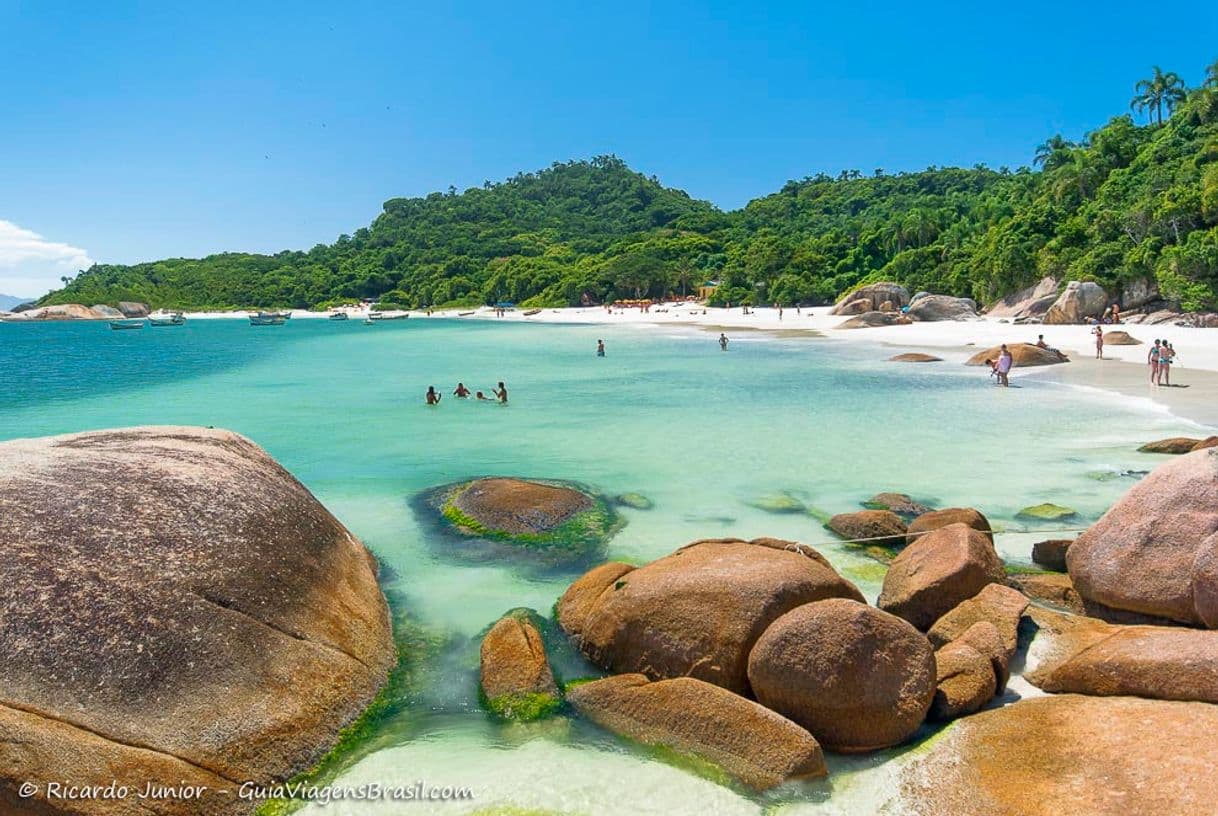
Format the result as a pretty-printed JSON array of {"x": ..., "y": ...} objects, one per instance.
[
  {"x": 127, "y": 324},
  {"x": 171, "y": 319},
  {"x": 267, "y": 319}
]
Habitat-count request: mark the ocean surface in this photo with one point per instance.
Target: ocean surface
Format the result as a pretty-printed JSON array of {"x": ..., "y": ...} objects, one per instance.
[{"x": 700, "y": 432}]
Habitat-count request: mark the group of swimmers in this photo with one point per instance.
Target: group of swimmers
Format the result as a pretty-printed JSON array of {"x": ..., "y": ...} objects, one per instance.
[
  {"x": 461, "y": 392},
  {"x": 1160, "y": 357}
]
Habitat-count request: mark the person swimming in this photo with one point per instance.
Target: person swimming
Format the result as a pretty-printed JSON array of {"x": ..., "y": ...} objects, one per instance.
[
  {"x": 501, "y": 393},
  {"x": 433, "y": 396},
  {"x": 462, "y": 392},
  {"x": 600, "y": 348},
  {"x": 481, "y": 396}
]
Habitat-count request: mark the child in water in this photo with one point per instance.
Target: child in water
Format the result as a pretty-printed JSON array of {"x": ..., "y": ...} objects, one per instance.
[{"x": 433, "y": 397}]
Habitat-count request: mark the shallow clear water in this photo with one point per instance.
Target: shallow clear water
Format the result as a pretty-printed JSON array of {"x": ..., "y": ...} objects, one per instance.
[{"x": 665, "y": 414}]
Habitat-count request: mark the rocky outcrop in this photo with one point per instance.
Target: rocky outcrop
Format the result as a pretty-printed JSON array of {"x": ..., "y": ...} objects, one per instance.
[
  {"x": 1120, "y": 338},
  {"x": 1031, "y": 302},
  {"x": 1025, "y": 355},
  {"x": 929, "y": 308},
  {"x": 107, "y": 311},
  {"x": 1155, "y": 551},
  {"x": 1051, "y": 554},
  {"x": 915, "y": 357},
  {"x": 1077, "y": 302},
  {"x": 900, "y": 503},
  {"x": 545, "y": 522},
  {"x": 1139, "y": 292},
  {"x": 1177, "y": 445},
  {"x": 857, "y": 678},
  {"x": 937, "y": 572},
  {"x": 176, "y": 606},
  {"x": 996, "y": 604},
  {"x": 938, "y": 519},
  {"x": 753, "y": 744},
  {"x": 515, "y": 675},
  {"x": 868, "y": 320},
  {"x": 696, "y": 612},
  {"x": 66, "y": 311},
  {"x": 132, "y": 308},
  {"x": 1068, "y": 753},
  {"x": 872, "y": 295},
  {"x": 882, "y": 528},
  {"x": 1087, "y": 656}
]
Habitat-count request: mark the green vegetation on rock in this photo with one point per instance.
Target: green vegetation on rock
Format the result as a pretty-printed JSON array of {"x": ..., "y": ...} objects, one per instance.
[
  {"x": 523, "y": 707},
  {"x": 1046, "y": 512},
  {"x": 1129, "y": 203}
]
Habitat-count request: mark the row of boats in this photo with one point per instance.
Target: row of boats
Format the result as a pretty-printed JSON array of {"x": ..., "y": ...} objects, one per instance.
[{"x": 167, "y": 319}]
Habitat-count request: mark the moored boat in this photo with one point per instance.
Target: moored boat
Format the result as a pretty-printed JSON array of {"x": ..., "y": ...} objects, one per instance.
[
  {"x": 127, "y": 324},
  {"x": 339, "y": 316},
  {"x": 267, "y": 319},
  {"x": 170, "y": 319}
]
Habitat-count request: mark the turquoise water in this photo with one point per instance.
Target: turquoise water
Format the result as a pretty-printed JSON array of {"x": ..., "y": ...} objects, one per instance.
[{"x": 666, "y": 414}]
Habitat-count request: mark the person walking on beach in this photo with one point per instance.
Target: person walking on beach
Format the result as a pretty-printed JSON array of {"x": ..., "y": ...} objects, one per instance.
[
  {"x": 462, "y": 392},
  {"x": 1167, "y": 356},
  {"x": 433, "y": 397},
  {"x": 1003, "y": 366},
  {"x": 722, "y": 341},
  {"x": 1152, "y": 359},
  {"x": 1098, "y": 331},
  {"x": 501, "y": 393},
  {"x": 600, "y": 348}
]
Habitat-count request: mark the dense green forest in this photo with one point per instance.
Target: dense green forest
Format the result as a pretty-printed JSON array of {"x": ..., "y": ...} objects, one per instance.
[{"x": 1129, "y": 202}]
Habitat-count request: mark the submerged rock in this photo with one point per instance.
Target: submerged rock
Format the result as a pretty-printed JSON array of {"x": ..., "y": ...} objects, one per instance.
[
  {"x": 635, "y": 501},
  {"x": 696, "y": 612},
  {"x": 544, "y": 522},
  {"x": 1046, "y": 512},
  {"x": 899, "y": 503},
  {"x": 1155, "y": 552},
  {"x": 753, "y": 744},
  {"x": 882, "y": 528},
  {"x": 1068, "y": 753},
  {"x": 857, "y": 678},
  {"x": 176, "y": 607},
  {"x": 915, "y": 357},
  {"x": 937, "y": 572},
  {"x": 516, "y": 680},
  {"x": 781, "y": 502}
]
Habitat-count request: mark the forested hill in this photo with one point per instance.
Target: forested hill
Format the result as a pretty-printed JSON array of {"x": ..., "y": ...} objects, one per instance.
[{"x": 1131, "y": 201}]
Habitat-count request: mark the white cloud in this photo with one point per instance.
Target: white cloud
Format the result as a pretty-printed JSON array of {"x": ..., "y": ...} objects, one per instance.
[{"x": 31, "y": 266}]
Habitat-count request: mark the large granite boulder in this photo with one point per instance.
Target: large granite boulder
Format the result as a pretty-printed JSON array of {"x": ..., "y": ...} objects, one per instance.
[
  {"x": 1117, "y": 337},
  {"x": 869, "y": 320},
  {"x": 1155, "y": 551},
  {"x": 131, "y": 308},
  {"x": 930, "y": 308},
  {"x": 1067, "y": 753},
  {"x": 965, "y": 676},
  {"x": 1051, "y": 553},
  {"x": 882, "y": 528},
  {"x": 1139, "y": 292},
  {"x": 1033, "y": 301},
  {"x": 1087, "y": 656},
  {"x": 996, "y": 604},
  {"x": 696, "y": 612},
  {"x": 753, "y": 744},
  {"x": 875, "y": 293},
  {"x": 1178, "y": 445},
  {"x": 176, "y": 607},
  {"x": 541, "y": 522},
  {"x": 915, "y": 357},
  {"x": 516, "y": 680},
  {"x": 938, "y": 519},
  {"x": 1025, "y": 355},
  {"x": 902, "y": 504},
  {"x": 937, "y": 572},
  {"x": 1077, "y": 302},
  {"x": 108, "y": 311},
  {"x": 859, "y": 679},
  {"x": 66, "y": 311}
]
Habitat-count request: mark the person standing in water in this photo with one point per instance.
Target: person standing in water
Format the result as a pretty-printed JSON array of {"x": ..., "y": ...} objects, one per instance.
[
  {"x": 433, "y": 397},
  {"x": 462, "y": 392},
  {"x": 1003, "y": 366},
  {"x": 1152, "y": 359},
  {"x": 501, "y": 393},
  {"x": 722, "y": 341},
  {"x": 600, "y": 348},
  {"x": 1098, "y": 331}
]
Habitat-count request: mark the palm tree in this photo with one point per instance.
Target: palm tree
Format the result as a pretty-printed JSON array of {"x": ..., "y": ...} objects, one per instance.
[
  {"x": 1162, "y": 90},
  {"x": 1052, "y": 152}
]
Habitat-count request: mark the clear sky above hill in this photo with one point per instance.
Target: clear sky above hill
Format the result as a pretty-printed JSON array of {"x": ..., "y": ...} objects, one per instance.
[{"x": 133, "y": 131}]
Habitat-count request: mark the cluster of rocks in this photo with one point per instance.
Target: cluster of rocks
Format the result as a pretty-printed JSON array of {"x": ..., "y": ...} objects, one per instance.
[
  {"x": 889, "y": 304},
  {"x": 75, "y": 311}
]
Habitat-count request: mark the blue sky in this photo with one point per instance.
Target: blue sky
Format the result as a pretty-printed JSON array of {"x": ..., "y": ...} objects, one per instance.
[{"x": 134, "y": 131}]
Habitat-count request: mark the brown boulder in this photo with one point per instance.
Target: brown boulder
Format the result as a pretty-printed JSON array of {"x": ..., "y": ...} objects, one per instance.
[
  {"x": 132, "y": 308},
  {"x": 1031, "y": 302},
  {"x": 1051, "y": 554},
  {"x": 854, "y": 307},
  {"x": 755, "y": 745},
  {"x": 515, "y": 674},
  {"x": 938, "y": 519},
  {"x": 65, "y": 311},
  {"x": 1050, "y": 588},
  {"x": 176, "y": 606},
  {"x": 1025, "y": 355},
  {"x": 1067, "y": 753},
  {"x": 520, "y": 506},
  {"x": 915, "y": 357},
  {"x": 1120, "y": 338},
  {"x": 1077, "y": 302},
  {"x": 900, "y": 503},
  {"x": 868, "y": 320},
  {"x": 881, "y": 527},
  {"x": 1150, "y": 553},
  {"x": 964, "y": 680},
  {"x": 859, "y": 679},
  {"x": 696, "y": 612},
  {"x": 937, "y": 572},
  {"x": 873, "y": 294},
  {"x": 1087, "y": 656},
  {"x": 1177, "y": 445},
  {"x": 996, "y": 604}
]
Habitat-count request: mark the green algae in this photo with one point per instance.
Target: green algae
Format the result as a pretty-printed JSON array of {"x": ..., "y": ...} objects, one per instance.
[
  {"x": 868, "y": 573},
  {"x": 1046, "y": 512},
  {"x": 525, "y": 707}
]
